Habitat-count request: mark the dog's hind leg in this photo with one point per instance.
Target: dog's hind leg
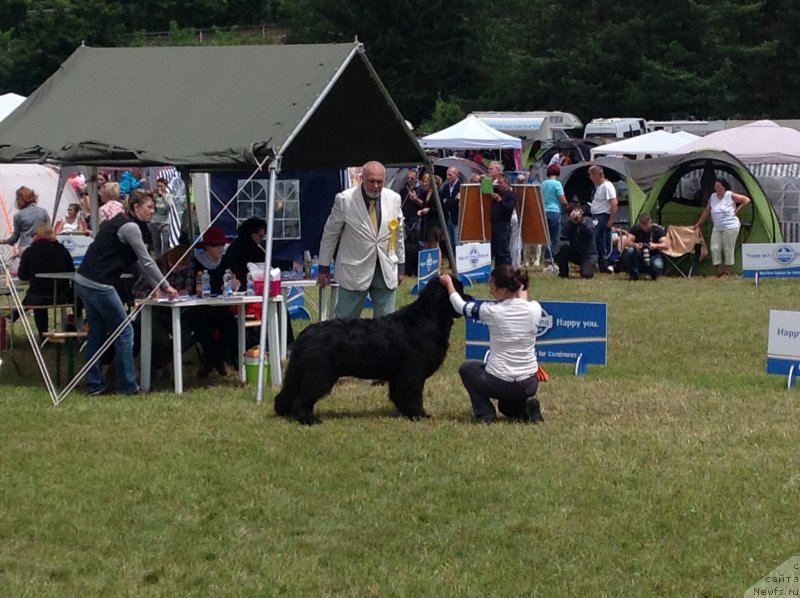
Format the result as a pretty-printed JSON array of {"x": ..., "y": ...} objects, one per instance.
[{"x": 406, "y": 394}]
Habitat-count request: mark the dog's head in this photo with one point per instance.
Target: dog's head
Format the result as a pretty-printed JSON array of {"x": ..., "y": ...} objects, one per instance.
[{"x": 435, "y": 293}]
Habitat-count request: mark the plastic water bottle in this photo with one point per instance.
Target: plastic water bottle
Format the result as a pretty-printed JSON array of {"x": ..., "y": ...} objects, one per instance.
[
  {"x": 314, "y": 267},
  {"x": 206, "y": 285},
  {"x": 251, "y": 287},
  {"x": 227, "y": 283},
  {"x": 198, "y": 284}
]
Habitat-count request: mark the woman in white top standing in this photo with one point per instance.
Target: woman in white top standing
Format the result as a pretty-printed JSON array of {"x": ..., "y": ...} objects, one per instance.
[
  {"x": 724, "y": 207},
  {"x": 510, "y": 372}
]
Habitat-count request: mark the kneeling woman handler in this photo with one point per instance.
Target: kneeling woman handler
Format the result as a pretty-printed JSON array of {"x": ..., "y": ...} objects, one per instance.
[{"x": 510, "y": 372}]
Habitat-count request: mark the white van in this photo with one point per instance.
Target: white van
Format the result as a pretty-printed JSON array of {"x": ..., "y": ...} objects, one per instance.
[
  {"x": 696, "y": 127},
  {"x": 606, "y": 130},
  {"x": 536, "y": 125}
]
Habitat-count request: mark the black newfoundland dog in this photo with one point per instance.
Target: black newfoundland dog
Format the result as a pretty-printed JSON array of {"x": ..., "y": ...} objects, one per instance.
[{"x": 403, "y": 348}]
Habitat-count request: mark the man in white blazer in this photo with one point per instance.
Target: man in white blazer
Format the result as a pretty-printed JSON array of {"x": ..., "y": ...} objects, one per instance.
[{"x": 371, "y": 254}]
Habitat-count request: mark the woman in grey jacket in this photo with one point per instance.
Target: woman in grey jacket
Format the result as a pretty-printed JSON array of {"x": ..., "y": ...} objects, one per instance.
[{"x": 27, "y": 218}]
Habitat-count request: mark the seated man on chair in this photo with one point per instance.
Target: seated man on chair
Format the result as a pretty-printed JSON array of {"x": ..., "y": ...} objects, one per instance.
[{"x": 645, "y": 242}]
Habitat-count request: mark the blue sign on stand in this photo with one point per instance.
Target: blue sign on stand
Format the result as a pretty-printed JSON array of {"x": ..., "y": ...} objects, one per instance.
[
  {"x": 427, "y": 268},
  {"x": 568, "y": 333},
  {"x": 296, "y": 304}
]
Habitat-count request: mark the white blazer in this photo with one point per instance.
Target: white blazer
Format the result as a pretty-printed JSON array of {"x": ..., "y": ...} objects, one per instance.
[{"x": 359, "y": 246}]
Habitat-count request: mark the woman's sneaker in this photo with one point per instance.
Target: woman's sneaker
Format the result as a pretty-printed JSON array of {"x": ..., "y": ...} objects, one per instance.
[{"x": 533, "y": 410}]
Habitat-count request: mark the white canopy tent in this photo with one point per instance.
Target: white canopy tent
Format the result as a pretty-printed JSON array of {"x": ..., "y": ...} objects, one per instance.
[
  {"x": 470, "y": 133},
  {"x": 650, "y": 145},
  {"x": 9, "y": 103}
]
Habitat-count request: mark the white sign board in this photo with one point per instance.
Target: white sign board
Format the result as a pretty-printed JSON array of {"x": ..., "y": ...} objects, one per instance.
[
  {"x": 783, "y": 346},
  {"x": 76, "y": 245},
  {"x": 771, "y": 260},
  {"x": 474, "y": 261}
]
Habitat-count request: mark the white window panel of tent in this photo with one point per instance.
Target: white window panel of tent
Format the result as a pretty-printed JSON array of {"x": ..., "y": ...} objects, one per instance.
[{"x": 251, "y": 202}]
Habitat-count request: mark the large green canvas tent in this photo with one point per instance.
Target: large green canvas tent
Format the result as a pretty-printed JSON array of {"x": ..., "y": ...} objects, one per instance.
[
  {"x": 675, "y": 190},
  {"x": 234, "y": 108},
  {"x": 215, "y": 108}
]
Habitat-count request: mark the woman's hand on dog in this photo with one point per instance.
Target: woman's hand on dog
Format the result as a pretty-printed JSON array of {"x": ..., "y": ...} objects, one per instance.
[{"x": 447, "y": 281}]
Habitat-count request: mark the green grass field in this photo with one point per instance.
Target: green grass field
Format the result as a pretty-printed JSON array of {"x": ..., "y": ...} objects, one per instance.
[{"x": 672, "y": 471}]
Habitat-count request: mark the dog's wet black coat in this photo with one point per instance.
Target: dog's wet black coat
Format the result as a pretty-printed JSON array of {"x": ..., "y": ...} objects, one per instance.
[{"x": 403, "y": 349}]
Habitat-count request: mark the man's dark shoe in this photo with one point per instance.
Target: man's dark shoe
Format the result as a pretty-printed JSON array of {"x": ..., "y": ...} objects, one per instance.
[
  {"x": 533, "y": 410},
  {"x": 222, "y": 368}
]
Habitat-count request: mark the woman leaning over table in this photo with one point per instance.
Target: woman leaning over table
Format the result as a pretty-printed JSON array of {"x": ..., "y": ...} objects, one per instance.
[
  {"x": 118, "y": 244},
  {"x": 724, "y": 207}
]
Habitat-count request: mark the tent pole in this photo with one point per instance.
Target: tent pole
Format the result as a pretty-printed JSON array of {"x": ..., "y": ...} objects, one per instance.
[
  {"x": 274, "y": 167},
  {"x": 186, "y": 177},
  {"x": 437, "y": 200},
  {"x": 94, "y": 209}
]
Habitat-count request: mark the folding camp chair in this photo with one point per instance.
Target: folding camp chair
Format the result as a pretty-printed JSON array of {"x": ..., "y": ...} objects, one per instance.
[{"x": 687, "y": 246}]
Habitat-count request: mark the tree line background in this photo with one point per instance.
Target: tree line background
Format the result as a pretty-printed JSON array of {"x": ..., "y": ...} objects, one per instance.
[{"x": 440, "y": 59}]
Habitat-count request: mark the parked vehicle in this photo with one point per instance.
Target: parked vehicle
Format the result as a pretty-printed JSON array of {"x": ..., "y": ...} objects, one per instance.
[
  {"x": 695, "y": 127},
  {"x": 606, "y": 130}
]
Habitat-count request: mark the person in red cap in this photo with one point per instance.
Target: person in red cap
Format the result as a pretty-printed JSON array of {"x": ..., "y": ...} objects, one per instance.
[{"x": 213, "y": 327}]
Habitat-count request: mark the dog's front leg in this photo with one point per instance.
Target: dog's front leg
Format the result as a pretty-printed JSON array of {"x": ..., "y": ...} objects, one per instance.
[
  {"x": 406, "y": 394},
  {"x": 305, "y": 415}
]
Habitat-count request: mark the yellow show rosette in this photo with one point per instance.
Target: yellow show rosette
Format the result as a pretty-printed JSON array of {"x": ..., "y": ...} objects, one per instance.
[{"x": 394, "y": 224}]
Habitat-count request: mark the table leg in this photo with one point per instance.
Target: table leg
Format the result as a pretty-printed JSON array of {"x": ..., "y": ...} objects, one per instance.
[
  {"x": 147, "y": 345},
  {"x": 323, "y": 302},
  {"x": 177, "y": 348},
  {"x": 241, "y": 315},
  {"x": 284, "y": 318},
  {"x": 274, "y": 344}
]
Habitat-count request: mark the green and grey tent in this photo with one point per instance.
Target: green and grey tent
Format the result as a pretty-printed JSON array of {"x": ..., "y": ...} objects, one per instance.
[
  {"x": 234, "y": 108},
  {"x": 675, "y": 190},
  {"x": 214, "y": 108}
]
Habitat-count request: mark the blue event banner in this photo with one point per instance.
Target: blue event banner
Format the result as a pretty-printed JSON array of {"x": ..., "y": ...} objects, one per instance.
[
  {"x": 428, "y": 266},
  {"x": 567, "y": 330}
]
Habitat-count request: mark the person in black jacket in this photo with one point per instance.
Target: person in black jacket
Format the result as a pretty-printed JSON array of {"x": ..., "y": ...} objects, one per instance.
[
  {"x": 582, "y": 249},
  {"x": 118, "y": 245},
  {"x": 504, "y": 201},
  {"x": 248, "y": 246},
  {"x": 45, "y": 255}
]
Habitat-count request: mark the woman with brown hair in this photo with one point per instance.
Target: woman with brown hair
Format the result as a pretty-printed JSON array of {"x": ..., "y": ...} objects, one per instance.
[
  {"x": 45, "y": 254},
  {"x": 27, "y": 218}
]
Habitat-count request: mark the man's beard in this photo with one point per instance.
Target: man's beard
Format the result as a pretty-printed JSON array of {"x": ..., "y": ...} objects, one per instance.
[{"x": 372, "y": 194}]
